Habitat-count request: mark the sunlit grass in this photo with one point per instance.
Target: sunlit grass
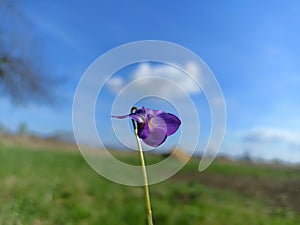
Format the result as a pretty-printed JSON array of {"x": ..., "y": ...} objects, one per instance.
[{"x": 51, "y": 187}]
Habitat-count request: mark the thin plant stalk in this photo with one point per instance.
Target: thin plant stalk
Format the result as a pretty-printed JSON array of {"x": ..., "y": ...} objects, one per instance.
[{"x": 146, "y": 188}]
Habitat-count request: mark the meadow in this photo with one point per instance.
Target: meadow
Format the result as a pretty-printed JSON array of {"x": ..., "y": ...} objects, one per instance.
[{"x": 52, "y": 187}]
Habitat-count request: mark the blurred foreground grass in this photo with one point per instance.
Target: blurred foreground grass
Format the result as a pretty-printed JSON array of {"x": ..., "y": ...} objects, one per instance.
[{"x": 52, "y": 187}]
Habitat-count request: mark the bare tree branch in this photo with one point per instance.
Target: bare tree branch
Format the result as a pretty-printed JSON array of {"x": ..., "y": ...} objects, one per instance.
[{"x": 20, "y": 79}]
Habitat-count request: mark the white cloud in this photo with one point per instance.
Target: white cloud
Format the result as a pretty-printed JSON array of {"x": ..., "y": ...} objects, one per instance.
[
  {"x": 170, "y": 76},
  {"x": 115, "y": 84},
  {"x": 272, "y": 135},
  {"x": 265, "y": 143},
  {"x": 173, "y": 74}
]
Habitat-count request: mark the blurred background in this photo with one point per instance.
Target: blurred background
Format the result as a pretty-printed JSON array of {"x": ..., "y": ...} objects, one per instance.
[{"x": 253, "y": 49}]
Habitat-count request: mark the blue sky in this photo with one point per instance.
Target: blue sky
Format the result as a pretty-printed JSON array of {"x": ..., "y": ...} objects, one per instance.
[{"x": 252, "y": 47}]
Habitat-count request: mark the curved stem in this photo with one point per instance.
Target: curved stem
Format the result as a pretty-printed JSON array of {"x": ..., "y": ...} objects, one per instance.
[{"x": 146, "y": 188}]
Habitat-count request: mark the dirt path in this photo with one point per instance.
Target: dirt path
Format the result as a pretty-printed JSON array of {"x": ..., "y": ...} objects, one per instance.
[{"x": 277, "y": 193}]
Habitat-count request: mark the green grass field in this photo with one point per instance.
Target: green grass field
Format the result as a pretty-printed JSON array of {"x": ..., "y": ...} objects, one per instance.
[{"x": 58, "y": 187}]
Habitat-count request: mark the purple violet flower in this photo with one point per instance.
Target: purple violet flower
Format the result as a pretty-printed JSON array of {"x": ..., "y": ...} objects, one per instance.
[{"x": 154, "y": 126}]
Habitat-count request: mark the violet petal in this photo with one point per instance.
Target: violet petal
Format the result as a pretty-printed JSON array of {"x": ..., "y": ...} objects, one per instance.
[
  {"x": 158, "y": 132},
  {"x": 140, "y": 118},
  {"x": 152, "y": 112},
  {"x": 154, "y": 126},
  {"x": 120, "y": 117},
  {"x": 143, "y": 130},
  {"x": 156, "y": 138},
  {"x": 172, "y": 122}
]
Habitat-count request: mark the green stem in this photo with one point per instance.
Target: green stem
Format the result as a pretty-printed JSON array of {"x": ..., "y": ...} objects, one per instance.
[{"x": 146, "y": 188}]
